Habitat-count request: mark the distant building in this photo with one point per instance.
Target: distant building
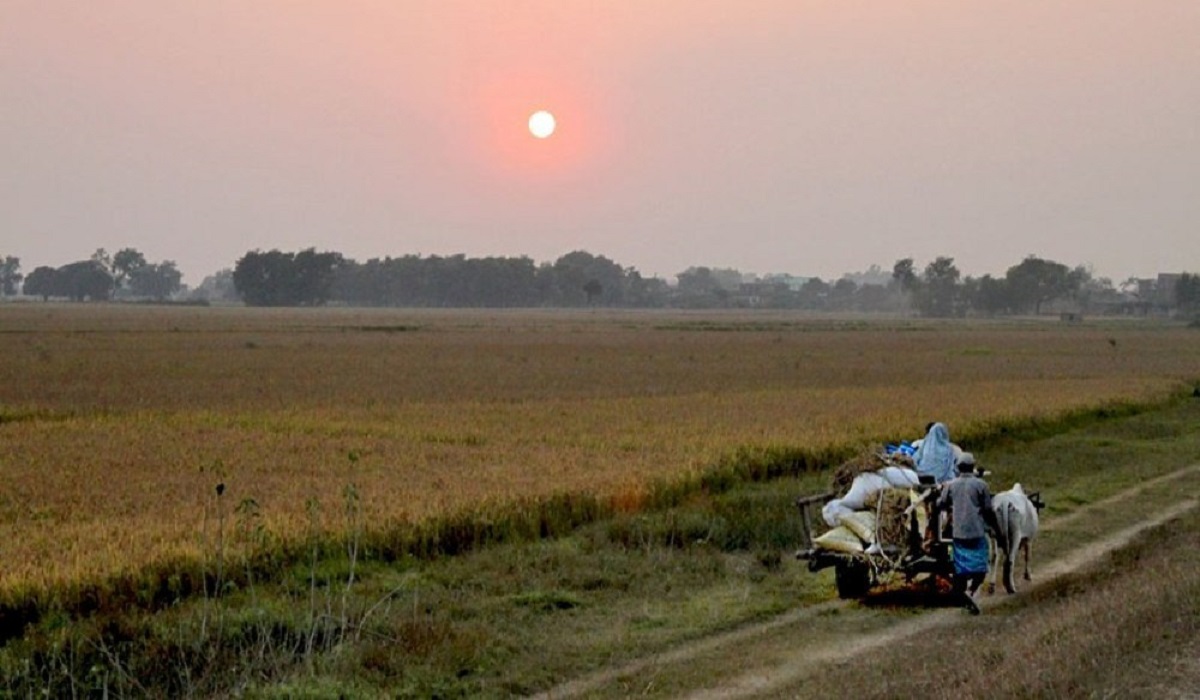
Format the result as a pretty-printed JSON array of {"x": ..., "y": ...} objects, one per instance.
[
  {"x": 1164, "y": 289},
  {"x": 792, "y": 282},
  {"x": 873, "y": 275},
  {"x": 1143, "y": 296},
  {"x": 760, "y": 293}
]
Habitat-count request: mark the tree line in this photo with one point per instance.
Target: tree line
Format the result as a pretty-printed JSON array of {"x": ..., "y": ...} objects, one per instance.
[
  {"x": 126, "y": 274},
  {"x": 309, "y": 278},
  {"x": 582, "y": 279}
]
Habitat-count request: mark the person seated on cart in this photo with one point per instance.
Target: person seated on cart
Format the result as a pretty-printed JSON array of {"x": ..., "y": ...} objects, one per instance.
[
  {"x": 970, "y": 504},
  {"x": 936, "y": 455}
]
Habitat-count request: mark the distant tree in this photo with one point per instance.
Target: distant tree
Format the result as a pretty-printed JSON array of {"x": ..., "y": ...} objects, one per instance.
[
  {"x": 10, "y": 275},
  {"x": 990, "y": 296},
  {"x": 813, "y": 294},
  {"x": 572, "y": 272},
  {"x": 905, "y": 283},
  {"x": 875, "y": 297},
  {"x": 500, "y": 282},
  {"x": 102, "y": 262},
  {"x": 938, "y": 295},
  {"x": 276, "y": 278},
  {"x": 651, "y": 292},
  {"x": 83, "y": 281},
  {"x": 443, "y": 281},
  {"x": 217, "y": 287},
  {"x": 42, "y": 282},
  {"x": 102, "y": 258},
  {"x": 698, "y": 281},
  {"x": 904, "y": 275},
  {"x": 593, "y": 288},
  {"x": 125, "y": 264},
  {"x": 405, "y": 281},
  {"x": 700, "y": 287},
  {"x": 264, "y": 279},
  {"x": 313, "y": 275},
  {"x": 841, "y": 294},
  {"x": 1035, "y": 281},
  {"x": 158, "y": 281}
]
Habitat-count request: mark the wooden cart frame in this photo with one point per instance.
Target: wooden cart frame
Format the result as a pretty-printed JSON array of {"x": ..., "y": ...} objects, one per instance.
[{"x": 856, "y": 574}]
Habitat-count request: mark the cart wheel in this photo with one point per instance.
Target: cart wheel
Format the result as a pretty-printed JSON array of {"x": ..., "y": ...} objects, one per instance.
[{"x": 853, "y": 579}]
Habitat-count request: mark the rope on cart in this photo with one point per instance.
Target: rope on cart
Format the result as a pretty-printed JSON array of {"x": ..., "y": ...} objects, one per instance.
[{"x": 876, "y": 570}]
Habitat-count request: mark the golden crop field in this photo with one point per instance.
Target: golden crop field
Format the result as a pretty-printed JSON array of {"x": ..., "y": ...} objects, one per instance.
[{"x": 116, "y": 422}]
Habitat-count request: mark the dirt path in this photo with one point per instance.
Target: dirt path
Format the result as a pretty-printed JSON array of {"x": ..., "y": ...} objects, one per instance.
[{"x": 787, "y": 668}]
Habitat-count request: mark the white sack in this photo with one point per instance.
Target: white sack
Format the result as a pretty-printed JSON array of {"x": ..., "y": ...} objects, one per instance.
[
  {"x": 833, "y": 511},
  {"x": 864, "y": 486},
  {"x": 900, "y": 477}
]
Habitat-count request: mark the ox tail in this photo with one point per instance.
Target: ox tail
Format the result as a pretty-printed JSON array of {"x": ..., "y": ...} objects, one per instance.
[
  {"x": 1008, "y": 539},
  {"x": 1005, "y": 526}
]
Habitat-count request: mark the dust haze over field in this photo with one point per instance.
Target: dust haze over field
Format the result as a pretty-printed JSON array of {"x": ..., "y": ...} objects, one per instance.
[{"x": 807, "y": 137}]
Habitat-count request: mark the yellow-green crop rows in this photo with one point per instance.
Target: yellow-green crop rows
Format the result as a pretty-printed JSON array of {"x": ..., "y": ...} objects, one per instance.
[{"x": 117, "y": 422}]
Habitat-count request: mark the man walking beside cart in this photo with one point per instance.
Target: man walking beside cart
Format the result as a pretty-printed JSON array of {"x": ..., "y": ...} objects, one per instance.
[{"x": 970, "y": 505}]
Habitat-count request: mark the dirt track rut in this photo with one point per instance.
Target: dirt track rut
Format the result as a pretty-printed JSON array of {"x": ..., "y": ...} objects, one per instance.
[{"x": 787, "y": 667}]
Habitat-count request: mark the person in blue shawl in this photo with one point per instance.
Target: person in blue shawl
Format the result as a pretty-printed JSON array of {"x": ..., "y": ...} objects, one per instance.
[{"x": 936, "y": 455}]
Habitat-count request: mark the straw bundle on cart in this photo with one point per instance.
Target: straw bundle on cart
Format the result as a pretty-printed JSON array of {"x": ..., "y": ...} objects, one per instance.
[
  {"x": 869, "y": 460},
  {"x": 891, "y": 521},
  {"x": 871, "y": 502}
]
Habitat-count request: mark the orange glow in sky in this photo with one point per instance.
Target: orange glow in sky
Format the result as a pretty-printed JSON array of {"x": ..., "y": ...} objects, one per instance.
[
  {"x": 506, "y": 149},
  {"x": 814, "y": 137}
]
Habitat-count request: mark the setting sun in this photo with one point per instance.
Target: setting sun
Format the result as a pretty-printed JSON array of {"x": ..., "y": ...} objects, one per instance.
[{"x": 542, "y": 124}]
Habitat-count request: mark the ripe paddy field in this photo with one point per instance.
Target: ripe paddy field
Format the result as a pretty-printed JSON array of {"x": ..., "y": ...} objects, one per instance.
[{"x": 150, "y": 454}]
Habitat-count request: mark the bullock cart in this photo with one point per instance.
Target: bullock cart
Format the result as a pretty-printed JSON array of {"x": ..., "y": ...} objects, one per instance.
[{"x": 897, "y": 546}]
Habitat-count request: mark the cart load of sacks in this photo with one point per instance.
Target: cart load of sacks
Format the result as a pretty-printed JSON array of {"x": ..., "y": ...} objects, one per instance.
[{"x": 874, "y": 512}]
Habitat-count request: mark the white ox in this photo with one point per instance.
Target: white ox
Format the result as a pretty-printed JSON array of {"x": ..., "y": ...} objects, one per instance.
[{"x": 1017, "y": 524}]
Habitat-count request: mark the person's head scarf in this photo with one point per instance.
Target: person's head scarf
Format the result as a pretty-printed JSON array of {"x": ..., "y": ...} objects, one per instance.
[{"x": 935, "y": 456}]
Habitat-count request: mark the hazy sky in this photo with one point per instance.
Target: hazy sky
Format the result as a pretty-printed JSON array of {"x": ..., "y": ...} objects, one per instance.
[{"x": 808, "y": 136}]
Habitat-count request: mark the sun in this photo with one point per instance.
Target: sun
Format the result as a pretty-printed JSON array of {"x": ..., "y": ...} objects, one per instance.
[{"x": 542, "y": 124}]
